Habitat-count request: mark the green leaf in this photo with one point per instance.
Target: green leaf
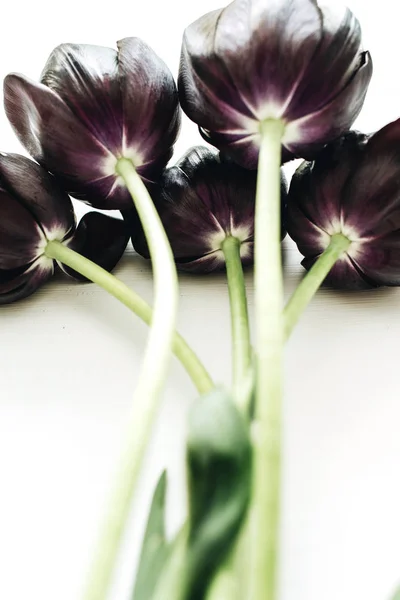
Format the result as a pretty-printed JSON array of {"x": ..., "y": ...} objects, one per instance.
[
  {"x": 219, "y": 468},
  {"x": 171, "y": 582},
  {"x": 155, "y": 549}
]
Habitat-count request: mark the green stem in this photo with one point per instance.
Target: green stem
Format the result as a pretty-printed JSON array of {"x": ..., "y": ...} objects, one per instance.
[
  {"x": 397, "y": 595},
  {"x": 269, "y": 322},
  {"x": 149, "y": 386},
  {"x": 171, "y": 581},
  {"x": 184, "y": 353},
  {"x": 312, "y": 281},
  {"x": 231, "y": 581},
  {"x": 241, "y": 347},
  {"x": 225, "y": 583}
]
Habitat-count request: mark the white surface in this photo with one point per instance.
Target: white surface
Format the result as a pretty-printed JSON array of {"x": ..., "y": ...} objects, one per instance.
[{"x": 69, "y": 358}]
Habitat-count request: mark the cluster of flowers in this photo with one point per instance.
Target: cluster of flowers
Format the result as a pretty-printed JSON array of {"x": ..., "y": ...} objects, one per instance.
[
  {"x": 94, "y": 105},
  {"x": 97, "y": 110}
]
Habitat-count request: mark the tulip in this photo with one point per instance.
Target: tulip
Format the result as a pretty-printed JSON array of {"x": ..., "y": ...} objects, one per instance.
[
  {"x": 267, "y": 81},
  {"x": 93, "y": 106},
  {"x": 202, "y": 201},
  {"x": 287, "y": 60},
  {"x": 351, "y": 189},
  {"x": 343, "y": 213},
  {"x": 34, "y": 211}
]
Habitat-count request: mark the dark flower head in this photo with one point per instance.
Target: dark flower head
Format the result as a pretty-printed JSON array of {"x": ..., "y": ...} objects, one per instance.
[
  {"x": 352, "y": 188},
  {"x": 202, "y": 200},
  {"x": 35, "y": 210},
  {"x": 282, "y": 59},
  {"x": 93, "y": 106}
]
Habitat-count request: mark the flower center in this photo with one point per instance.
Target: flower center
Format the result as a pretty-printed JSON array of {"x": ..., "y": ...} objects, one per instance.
[
  {"x": 110, "y": 164},
  {"x": 338, "y": 226},
  {"x": 243, "y": 233}
]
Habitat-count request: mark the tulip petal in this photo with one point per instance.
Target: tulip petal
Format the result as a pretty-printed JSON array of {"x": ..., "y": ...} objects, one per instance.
[
  {"x": 189, "y": 224},
  {"x": 337, "y": 57},
  {"x": 351, "y": 188},
  {"x": 372, "y": 202},
  {"x": 52, "y": 134},
  {"x": 344, "y": 275},
  {"x": 305, "y": 137},
  {"x": 202, "y": 201},
  {"x": 151, "y": 114},
  {"x": 314, "y": 209},
  {"x": 21, "y": 239},
  {"x": 99, "y": 238},
  {"x": 132, "y": 220},
  {"x": 40, "y": 194},
  {"x": 241, "y": 148},
  {"x": 85, "y": 78},
  {"x": 207, "y": 93},
  {"x": 213, "y": 261},
  {"x": 254, "y": 61},
  {"x": 310, "y": 238},
  {"x": 108, "y": 192},
  {"x": 17, "y": 284},
  {"x": 266, "y": 47},
  {"x": 371, "y": 205},
  {"x": 379, "y": 259},
  {"x": 224, "y": 190},
  {"x": 241, "y": 65}
]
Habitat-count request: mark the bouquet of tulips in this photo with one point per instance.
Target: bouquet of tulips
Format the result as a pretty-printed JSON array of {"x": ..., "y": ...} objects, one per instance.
[{"x": 266, "y": 82}]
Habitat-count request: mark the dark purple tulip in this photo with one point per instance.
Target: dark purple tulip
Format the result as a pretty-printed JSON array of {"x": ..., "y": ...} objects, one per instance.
[
  {"x": 201, "y": 201},
  {"x": 93, "y": 106},
  {"x": 35, "y": 210},
  {"x": 352, "y": 188},
  {"x": 282, "y": 59}
]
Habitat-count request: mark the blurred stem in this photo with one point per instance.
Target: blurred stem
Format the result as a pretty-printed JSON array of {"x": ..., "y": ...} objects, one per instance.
[
  {"x": 232, "y": 580},
  {"x": 184, "y": 353},
  {"x": 171, "y": 584},
  {"x": 224, "y": 586},
  {"x": 312, "y": 281},
  {"x": 151, "y": 380},
  {"x": 269, "y": 323},
  {"x": 241, "y": 348},
  {"x": 397, "y": 595},
  {"x": 226, "y": 582}
]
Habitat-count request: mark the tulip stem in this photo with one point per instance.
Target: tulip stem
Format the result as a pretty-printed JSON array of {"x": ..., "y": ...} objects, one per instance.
[
  {"x": 149, "y": 386},
  {"x": 114, "y": 286},
  {"x": 264, "y": 519},
  {"x": 148, "y": 389},
  {"x": 312, "y": 281},
  {"x": 227, "y": 580},
  {"x": 241, "y": 347},
  {"x": 129, "y": 465}
]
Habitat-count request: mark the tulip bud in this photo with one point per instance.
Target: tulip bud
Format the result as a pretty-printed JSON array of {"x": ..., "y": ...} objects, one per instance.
[
  {"x": 288, "y": 60},
  {"x": 35, "y": 210},
  {"x": 93, "y": 106},
  {"x": 351, "y": 188},
  {"x": 201, "y": 201}
]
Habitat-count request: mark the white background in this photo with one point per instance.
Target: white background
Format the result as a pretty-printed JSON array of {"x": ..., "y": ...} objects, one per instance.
[{"x": 70, "y": 355}]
